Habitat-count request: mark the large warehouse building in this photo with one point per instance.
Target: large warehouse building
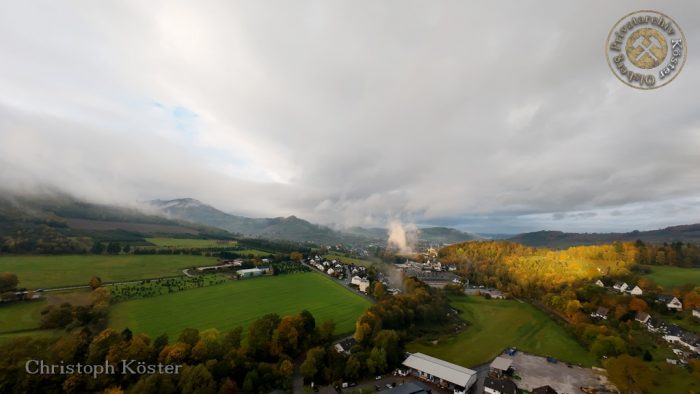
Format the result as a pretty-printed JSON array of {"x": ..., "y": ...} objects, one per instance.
[{"x": 440, "y": 372}]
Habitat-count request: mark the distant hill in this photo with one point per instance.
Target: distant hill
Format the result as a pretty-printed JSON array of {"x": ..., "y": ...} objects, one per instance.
[
  {"x": 59, "y": 224},
  {"x": 557, "y": 239},
  {"x": 293, "y": 228},
  {"x": 444, "y": 235},
  {"x": 290, "y": 228}
]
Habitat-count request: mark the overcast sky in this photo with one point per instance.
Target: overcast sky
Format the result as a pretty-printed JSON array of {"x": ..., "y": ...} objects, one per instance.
[{"x": 498, "y": 116}]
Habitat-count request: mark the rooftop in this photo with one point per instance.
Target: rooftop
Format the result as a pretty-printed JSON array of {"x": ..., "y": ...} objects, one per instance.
[
  {"x": 501, "y": 363},
  {"x": 444, "y": 370}
]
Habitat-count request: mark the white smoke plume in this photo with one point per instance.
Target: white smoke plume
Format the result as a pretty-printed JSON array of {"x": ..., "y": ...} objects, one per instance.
[{"x": 402, "y": 237}]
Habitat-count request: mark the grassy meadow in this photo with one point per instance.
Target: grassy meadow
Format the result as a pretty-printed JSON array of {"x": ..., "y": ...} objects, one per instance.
[
  {"x": 670, "y": 277},
  {"x": 20, "y": 315},
  {"x": 254, "y": 252},
  {"x": 190, "y": 243},
  {"x": 348, "y": 260},
  {"x": 498, "y": 324},
  {"x": 238, "y": 303},
  {"x": 55, "y": 271}
]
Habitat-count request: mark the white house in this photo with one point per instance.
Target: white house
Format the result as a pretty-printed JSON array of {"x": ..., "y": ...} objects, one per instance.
[
  {"x": 330, "y": 271},
  {"x": 675, "y": 304},
  {"x": 355, "y": 280},
  {"x": 642, "y": 317},
  {"x": 599, "y": 283},
  {"x": 636, "y": 291},
  {"x": 620, "y": 286},
  {"x": 364, "y": 285},
  {"x": 601, "y": 313},
  {"x": 696, "y": 313}
]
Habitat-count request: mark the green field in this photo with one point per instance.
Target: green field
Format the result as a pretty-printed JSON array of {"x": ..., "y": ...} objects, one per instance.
[
  {"x": 348, "y": 260},
  {"x": 20, "y": 315},
  {"x": 238, "y": 303},
  {"x": 54, "y": 271},
  {"x": 670, "y": 277},
  {"x": 190, "y": 243},
  {"x": 498, "y": 324},
  {"x": 254, "y": 252},
  {"x": 34, "y": 334}
]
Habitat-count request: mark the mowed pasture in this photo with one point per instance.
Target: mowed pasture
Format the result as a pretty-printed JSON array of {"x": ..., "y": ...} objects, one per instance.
[
  {"x": 56, "y": 271},
  {"x": 239, "y": 303},
  {"x": 18, "y": 316},
  {"x": 190, "y": 243},
  {"x": 498, "y": 324},
  {"x": 670, "y": 277}
]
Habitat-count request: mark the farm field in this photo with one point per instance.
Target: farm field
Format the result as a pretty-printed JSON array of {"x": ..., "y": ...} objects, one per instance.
[
  {"x": 55, "y": 271},
  {"x": 498, "y": 324},
  {"x": 669, "y": 277},
  {"x": 20, "y": 315},
  {"x": 190, "y": 243},
  {"x": 239, "y": 303}
]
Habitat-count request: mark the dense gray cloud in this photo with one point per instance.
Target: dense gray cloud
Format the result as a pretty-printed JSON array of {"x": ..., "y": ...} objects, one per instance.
[{"x": 499, "y": 116}]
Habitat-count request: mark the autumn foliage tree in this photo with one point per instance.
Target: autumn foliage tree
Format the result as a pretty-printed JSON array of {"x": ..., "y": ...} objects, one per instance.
[{"x": 629, "y": 374}]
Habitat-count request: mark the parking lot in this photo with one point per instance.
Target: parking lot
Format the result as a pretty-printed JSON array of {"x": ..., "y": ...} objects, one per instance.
[{"x": 536, "y": 371}]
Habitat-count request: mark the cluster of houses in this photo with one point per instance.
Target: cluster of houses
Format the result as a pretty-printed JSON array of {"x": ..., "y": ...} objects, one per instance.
[
  {"x": 671, "y": 333},
  {"x": 358, "y": 274},
  {"x": 622, "y": 287}
]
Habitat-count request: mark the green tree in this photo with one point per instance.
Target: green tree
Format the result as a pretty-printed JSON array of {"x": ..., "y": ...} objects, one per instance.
[
  {"x": 114, "y": 247},
  {"x": 197, "y": 379},
  {"x": 608, "y": 345},
  {"x": 326, "y": 331},
  {"x": 312, "y": 364},
  {"x": 353, "y": 368},
  {"x": 376, "y": 363},
  {"x": 260, "y": 335},
  {"x": 97, "y": 248}
]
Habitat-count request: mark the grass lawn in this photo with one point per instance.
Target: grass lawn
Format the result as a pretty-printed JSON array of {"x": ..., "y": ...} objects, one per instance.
[
  {"x": 348, "y": 260},
  {"x": 34, "y": 334},
  {"x": 497, "y": 324},
  {"x": 20, "y": 315},
  {"x": 238, "y": 303},
  {"x": 254, "y": 252},
  {"x": 670, "y": 277},
  {"x": 54, "y": 271},
  {"x": 190, "y": 243}
]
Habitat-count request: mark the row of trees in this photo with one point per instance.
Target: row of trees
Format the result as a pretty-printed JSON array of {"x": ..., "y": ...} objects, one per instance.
[
  {"x": 212, "y": 361},
  {"x": 677, "y": 254}
]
